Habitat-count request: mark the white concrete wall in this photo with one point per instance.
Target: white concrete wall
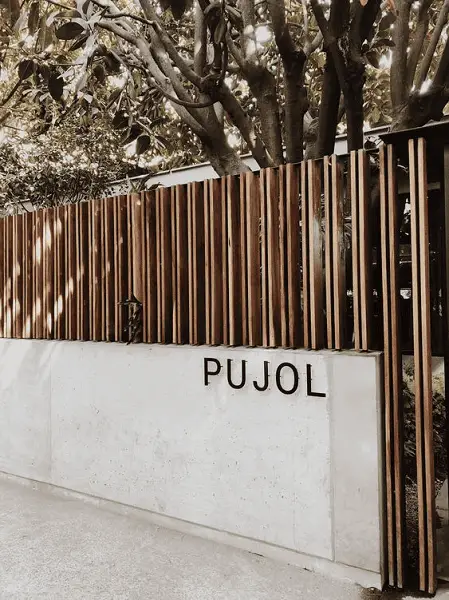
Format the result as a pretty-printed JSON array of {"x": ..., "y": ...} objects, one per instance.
[{"x": 137, "y": 425}]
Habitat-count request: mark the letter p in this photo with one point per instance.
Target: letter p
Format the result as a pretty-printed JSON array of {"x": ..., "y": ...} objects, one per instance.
[{"x": 208, "y": 372}]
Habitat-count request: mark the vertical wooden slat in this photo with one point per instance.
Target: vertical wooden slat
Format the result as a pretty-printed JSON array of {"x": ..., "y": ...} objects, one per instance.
[
  {"x": 224, "y": 257},
  {"x": 315, "y": 257},
  {"x": 30, "y": 278},
  {"x": 338, "y": 254},
  {"x": 137, "y": 245},
  {"x": 102, "y": 216},
  {"x": 365, "y": 258},
  {"x": 191, "y": 266},
  {"x": 95, "y": 269},
  {"x": 18, "y": 276},
  {"x": 426, "y": 350},
  {"x": 151, "y": 266},
  {"x": 207, "y": 261},
  {"x": 129, "y": 249},
  {"x": 199, "y": 258},
  {"x": 264, "y": 257},
  {"x": 109, "y": 243},
  {"x": 84, "y": 269},
  {"x": 166, "y": 315},
  {"x": 5, "y": 282},
  {"x": 423, "y": 367},
  {"x": 234, "y": 239},
  {"x": 293, "y": 256},
  {"x": 305, "y": 231},
  {"x": 182, "y": 270},
  {"x": 116, "y": 269},
  {"x": 2, "y": 278},
  {"x": 59, "y": 311},
  {"x": 56, "y": 274},
  {"x": 418, "y": 366},
  {"x": 395, "y": 509},
  {"x": 274, "y": 294},
  {"x": 182, "y": 281},
  {"x": 253, "y": 259},
  {"x": 173, "y": 265},
  {"x": 158, "y": 195},
  {"x": 328, "y": 231},
  {"x": 48, "y": 250},
  {"x": 389, "y": 446},
  {"x": 283, "y": 259},
  {"x": 243, "y": 259},
  {"x": 39, "y": 274},
  {"x": 216, "y": 273},
  {"x": 396, "y": 366},
  {"x": 12, "y": 269},
  {"x": 26, "y": 318},
  {"x": 353, "y": 167}
]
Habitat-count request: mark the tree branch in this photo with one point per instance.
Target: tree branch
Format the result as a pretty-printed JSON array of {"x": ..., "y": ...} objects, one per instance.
[
  {"x": 430, "y": 50},
  {"x": 401, "y": 36},
  {"x": 422, "y": 27},
  {"x": 244, "y": 125}
]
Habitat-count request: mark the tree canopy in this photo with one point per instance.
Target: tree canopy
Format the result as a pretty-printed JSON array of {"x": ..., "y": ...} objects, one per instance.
[{"x": 187, "y": 79}]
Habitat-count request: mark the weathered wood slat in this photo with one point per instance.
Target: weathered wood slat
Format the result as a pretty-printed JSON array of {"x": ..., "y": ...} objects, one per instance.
[
  {"x": 109, "y": 256},
  {"x": 264, "y": 258},
  {"x": 293, "y": 256},
  {"x": 305, "y": 253},
  {"x": 315, "y": 257},
  {"x": 196, "y": 245},
  {"x": 151, "y": 267},
  {"x": 28, "y": 274},
  {"x": 353, "y": 168},
  {"x": 208, "y": 260},
  {"x": 273, "y": 258},
  {"x": 182, "y": 275},
  {"x": 426, "y": 350},
  {"x": 338, "y": 254},
  {"x": 2, "y": 278},
  {"x": 389, "y": 445},
  {"x": 137, "y": 285},
  {"x": 423, "y": 367},
  {"x": 224, "y": 258},
  {"x": 234, "y": 238},
  {"x": 243, "y": 259},
  {"x": 216, "y": 258},
  {"x": 253, "y": 254},
  {"x": 328, "y": 252},
  {"x": 283, "y": 259},
  {"x": 365, "y": 255},
  {"x": 166, "y": 316}
]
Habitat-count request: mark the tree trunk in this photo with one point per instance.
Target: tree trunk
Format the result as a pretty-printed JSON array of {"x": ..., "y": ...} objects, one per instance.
[
  {"x": 223, "y": 158},
  {"x": 329, "y": 109},
  {"x": 263, "y": 86},
  {"x": 354, "y": 104},
  {"x": 296, "y": 106}
]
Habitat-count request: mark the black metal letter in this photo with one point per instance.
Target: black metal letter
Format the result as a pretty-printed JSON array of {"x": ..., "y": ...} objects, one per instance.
[
  {"x": 295, "y": 378},
  {"x": 242, "y": 383},
  {"x": 206, "y": 369},
  {"x": 309, "y": 384},
  {"x": 262, "y": 388}
]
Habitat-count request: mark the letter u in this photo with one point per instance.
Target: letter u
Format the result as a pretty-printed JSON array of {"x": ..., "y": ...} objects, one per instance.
[{"x": 236, "y": 386}]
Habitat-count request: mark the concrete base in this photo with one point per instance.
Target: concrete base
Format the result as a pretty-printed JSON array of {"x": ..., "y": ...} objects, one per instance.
[
  {"x": 278, "y": 452},
  {"x": 366, "y": 579}
]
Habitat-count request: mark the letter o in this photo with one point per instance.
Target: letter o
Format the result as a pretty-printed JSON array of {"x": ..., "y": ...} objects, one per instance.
[{"x": 295, "y": 378}]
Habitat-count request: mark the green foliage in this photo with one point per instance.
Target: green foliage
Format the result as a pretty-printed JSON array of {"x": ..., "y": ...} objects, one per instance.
[{"x": 439, "y": 426}]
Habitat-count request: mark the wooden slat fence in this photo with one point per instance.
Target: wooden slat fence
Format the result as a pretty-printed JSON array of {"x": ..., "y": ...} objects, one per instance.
[
  {"x": 277, "y": 258},
  {"x": 236, "y": 261}
]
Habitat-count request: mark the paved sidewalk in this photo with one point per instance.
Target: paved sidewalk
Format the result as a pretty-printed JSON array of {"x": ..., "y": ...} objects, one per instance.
[{"x": 62, "y": 548}]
